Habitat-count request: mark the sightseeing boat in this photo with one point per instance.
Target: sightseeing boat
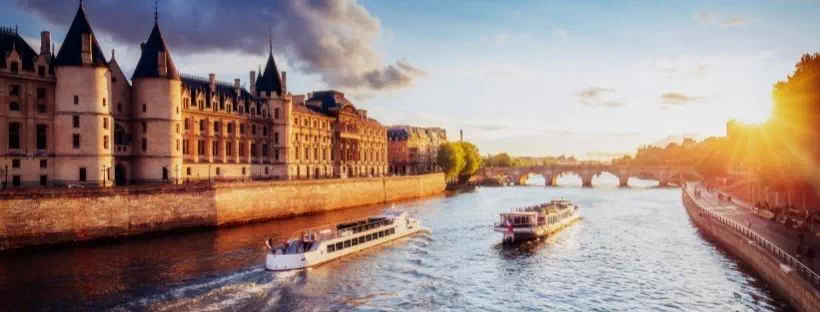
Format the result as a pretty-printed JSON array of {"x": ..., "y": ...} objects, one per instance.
[
  {"x": 537, "y": 221},
  {"x": 322, "y": 244}
]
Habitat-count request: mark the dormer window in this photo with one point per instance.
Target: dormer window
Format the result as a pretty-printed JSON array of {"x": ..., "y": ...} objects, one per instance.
[
  {"x": 14, "y": 67},
  {"x": 41, "y": 71}
]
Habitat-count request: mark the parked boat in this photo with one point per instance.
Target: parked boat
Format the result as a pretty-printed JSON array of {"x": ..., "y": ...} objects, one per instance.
[
  {"x": 322, "y": 244},
  {"x": 536, "y": 221}
]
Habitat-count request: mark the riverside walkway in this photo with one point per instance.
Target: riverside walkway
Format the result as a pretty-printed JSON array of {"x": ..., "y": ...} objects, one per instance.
[{"x": 739, "y": 211}]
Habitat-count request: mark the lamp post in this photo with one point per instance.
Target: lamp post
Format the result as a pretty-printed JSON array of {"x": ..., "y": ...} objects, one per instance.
[
  {"x": 6, "y": 171},
  {"x": 104, "y": 174}
]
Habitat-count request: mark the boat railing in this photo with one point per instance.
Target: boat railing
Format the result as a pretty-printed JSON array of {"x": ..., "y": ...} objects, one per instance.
[{"x": 326, "y": 232}]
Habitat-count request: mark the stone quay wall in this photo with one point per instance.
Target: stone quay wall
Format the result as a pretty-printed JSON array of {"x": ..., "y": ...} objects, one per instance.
[
  {"x": 784, "y": 277},
  {"x": 43, "y": 216}
]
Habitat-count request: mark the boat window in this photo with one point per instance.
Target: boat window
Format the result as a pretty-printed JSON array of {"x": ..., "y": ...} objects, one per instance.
[
  {"x": 339, "y": 246},
  {"x": 331, "y": 248},
  {"x": 369, "y": 237},
  {"x": 347, "y": 243},
  {"x": 355, "y": 241},
  {"x": 381, "y": 234}
]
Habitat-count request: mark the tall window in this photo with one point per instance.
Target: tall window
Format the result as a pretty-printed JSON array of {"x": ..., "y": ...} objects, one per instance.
[
  {"x": 241, "y": 149},
  {"x": 253, "y": 149},
  {"x": 215, "y": 148},
  {"x": 242, "y": 128},
  {"x": 216, "y": 126},
  {"x": 14, "y": 106},
  {"x": 253, "y": 129},
  {"x": 105, "y": 142},
  {"x": 264, "y": 150},
  {"x": 105, "y": 123},
  {"x": 200, "y": 147},
  {"x": 276, "y": 138},
  {"x": 276, "y": 154},
  {"x": 187, "y": 123},
  {"x": 276, "y": 113},
  {"x": 144, "y": 127},
  {"x": 307, "y": 153},
  {"x": 265, "y": 131},
  {"x": 42, "y": 136},
  {"x": 202, "y": 125},
  {"x": 75, "y": 141},
  {"x": 14, "y": 135},
  {"x": 144, "y": 108},
  {"x": 230, "y": 127},
  {"x": 184, "y": 147},
  {"x": 76, "y": 100},
  {"x": 229, "y": 148},
  {"x": 82, "y": 174},
  {"x": 103, "y": 102},
  {"x": 144, "y": 144},
  {"x": 75, "y": 121}
]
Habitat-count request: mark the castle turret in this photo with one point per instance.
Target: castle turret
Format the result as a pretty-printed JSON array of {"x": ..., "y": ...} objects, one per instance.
[
  {"x": 156, "y": 99},
  {"x": 82, "y": 117},
  {"x": 268, "y": 86}
]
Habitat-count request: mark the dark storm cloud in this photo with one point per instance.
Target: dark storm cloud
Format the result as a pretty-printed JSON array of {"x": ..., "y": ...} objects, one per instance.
[{"x": 332, "y": 38}]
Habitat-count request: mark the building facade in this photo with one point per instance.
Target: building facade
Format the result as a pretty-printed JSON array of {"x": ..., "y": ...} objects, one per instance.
[
  {"x": 414, "y": 150},
  {"x": 74, "y": 118}
]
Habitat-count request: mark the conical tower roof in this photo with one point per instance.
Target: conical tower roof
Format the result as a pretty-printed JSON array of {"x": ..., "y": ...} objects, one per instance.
[
  {"x": 71, "y": 50},
  {"x": 147, "y": 67},
  {"x": 270, "y": 80}
]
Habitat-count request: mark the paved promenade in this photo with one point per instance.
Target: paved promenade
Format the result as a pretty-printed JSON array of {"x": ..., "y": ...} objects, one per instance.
[{"x": 738, "y": 211}]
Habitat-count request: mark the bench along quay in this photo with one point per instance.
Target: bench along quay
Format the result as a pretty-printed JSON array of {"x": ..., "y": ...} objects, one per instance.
[{"x": 767, "y": 246}]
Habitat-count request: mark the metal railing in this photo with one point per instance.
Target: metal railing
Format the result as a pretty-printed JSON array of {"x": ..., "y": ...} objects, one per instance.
[{"x": 804, "y": 271}]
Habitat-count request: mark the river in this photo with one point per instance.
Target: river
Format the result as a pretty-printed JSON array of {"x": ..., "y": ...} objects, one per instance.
[{"x": 635, "y": 250}]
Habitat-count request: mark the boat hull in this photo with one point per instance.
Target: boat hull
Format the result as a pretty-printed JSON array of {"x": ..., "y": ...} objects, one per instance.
[
  {"x": 527, "y": 234},
  {"x": 289, "y": 262}
]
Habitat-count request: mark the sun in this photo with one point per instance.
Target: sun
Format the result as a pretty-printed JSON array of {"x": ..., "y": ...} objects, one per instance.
[{"x": 754, "y": 112}]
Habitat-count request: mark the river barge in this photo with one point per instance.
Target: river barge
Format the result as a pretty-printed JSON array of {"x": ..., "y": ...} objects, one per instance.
[
  {"x": 537, "y": 221},
  {"x": 322, "y": 244}
]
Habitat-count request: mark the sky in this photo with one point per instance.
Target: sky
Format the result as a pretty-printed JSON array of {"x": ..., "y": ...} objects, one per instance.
[{"x": 593, "y": 79}]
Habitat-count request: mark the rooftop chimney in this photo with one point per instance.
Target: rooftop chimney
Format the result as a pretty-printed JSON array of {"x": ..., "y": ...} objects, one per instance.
[
  {"x": 253, "y": 82},
  {"x": 85, "y": 53},
  {"x": 284, "y": 83},
  {"x": 236, "y": 85},
  {"x": 162, "y": 63},
  {"x": 45, "y": 43},
  {"x": 212, "y": 81}
]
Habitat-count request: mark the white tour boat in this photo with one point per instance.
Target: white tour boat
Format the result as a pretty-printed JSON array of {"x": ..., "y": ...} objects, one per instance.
[
  {"x": 322, "y": 244},
  {"x": 537, "y": 221}
]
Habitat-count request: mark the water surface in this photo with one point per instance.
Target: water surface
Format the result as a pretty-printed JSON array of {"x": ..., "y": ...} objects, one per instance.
[{"x": 635, "y": 250}]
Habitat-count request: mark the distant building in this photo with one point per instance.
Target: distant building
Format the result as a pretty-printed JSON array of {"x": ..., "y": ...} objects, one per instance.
[
  {"x": 74, "y": 118},
  {"x": 414, "y": 150}
]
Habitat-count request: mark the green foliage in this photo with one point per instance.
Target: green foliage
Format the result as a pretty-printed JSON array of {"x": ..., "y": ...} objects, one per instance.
[
  {"x": 472, "y": 159},
  {"x": 499, "y": 160},
  {"x": 451, "y": 159}
]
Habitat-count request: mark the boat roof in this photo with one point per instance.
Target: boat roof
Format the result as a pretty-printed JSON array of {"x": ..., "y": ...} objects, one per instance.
[{"x": 391, "y": 214}]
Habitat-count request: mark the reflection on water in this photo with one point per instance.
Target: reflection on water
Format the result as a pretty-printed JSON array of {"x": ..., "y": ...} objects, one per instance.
[{"x": 635, "y": 249}]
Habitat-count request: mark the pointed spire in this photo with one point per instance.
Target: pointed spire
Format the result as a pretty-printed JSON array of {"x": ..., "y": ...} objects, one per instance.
[
  {"x": 156, "y": 12},
  {"x": 270, "y": 39}
]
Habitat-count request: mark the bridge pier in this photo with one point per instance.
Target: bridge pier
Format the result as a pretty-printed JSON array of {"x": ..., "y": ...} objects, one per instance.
[
  {"x": 663, "y": 183},
  {"x": 550, "y": 180},
  {"x": 623, "y": 181},
  {"x": 586, "y": 180}
]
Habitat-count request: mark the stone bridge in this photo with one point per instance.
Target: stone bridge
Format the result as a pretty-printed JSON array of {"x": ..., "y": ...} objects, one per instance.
[{"x": 661, "y": 173}]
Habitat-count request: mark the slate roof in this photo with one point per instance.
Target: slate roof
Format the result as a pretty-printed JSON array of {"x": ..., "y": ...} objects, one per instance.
[
  {"x": 71, "y": 50},
  {"x": 10, "y": 39},
  {"x": 400, "y": 134},
  {"x": 223, "y": 91},
  {"x": 270, "y": 81},
  {"x": 147, "y": 65}
]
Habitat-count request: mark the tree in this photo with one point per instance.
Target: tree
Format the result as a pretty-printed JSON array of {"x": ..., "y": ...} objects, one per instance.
[
  {"x": 502, "y": 160},
  {"x": 472, "y": 159},
  {"x": 451, "y": 159}
]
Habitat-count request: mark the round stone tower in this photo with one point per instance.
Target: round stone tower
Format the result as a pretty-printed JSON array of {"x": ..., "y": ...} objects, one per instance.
[
  {"x": 156, "y": 100},
  {"x": 83, "y": 121}
]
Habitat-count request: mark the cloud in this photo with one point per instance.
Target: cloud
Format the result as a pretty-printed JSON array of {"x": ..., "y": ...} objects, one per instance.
[
  {"x": 735, "y": 21},
  {"x": 599, "y": 154},
  {"x": 335, "y": 39},
  {"x": 598, "y": 96},
  {"x": 674, "y": 98},
  {"x": 709, "y": 18},
  {"x": 562, "y": 33}
]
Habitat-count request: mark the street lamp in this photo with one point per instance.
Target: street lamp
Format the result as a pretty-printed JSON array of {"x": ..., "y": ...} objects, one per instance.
[{"x": 104, "y": 174}]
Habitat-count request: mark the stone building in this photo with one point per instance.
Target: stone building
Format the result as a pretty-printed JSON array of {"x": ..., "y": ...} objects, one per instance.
[
  {"x": 75, "y": 118},
  {"x": 414, "y": 150}
]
